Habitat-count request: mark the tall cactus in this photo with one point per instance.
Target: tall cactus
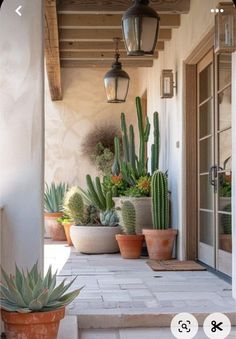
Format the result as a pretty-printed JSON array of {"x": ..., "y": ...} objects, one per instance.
[
  {"x": 125, "y": 139},
  {"x": 155, "y": 150},
  {"x": 117, "y": 160},
  {"x": 128, "y": 217},
  {"x": 143, "y": 135},
  {"x": 160, "y": 202}
]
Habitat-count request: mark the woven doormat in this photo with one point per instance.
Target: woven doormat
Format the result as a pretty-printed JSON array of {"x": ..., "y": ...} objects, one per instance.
[{"x": 175, "y": 265}]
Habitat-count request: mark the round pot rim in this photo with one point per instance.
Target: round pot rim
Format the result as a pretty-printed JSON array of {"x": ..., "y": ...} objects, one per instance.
[
  {"x": 154, "y": 231},
  {"x": 95, "y": 227},
  {"x": 130, "y": 236},
  {"x": 132, "y": 198},
  {"x": 33, "y": 317},
  {"x": 53, "y": 214}
]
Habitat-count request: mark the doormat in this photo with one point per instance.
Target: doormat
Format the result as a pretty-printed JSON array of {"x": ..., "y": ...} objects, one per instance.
[{"x": 175, "y": 265}]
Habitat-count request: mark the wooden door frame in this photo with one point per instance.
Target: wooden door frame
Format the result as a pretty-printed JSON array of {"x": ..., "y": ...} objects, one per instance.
[{"x": 190, "y": 144}]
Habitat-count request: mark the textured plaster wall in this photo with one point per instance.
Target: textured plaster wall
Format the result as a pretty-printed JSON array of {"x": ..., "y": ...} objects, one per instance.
[
  {"x": 67, "y": 122},
  {"x": 21, "y": 133},
  {"x": 194, "y": 26}
]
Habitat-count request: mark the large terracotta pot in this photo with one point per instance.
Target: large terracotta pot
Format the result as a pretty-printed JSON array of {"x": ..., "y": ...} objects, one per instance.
[
  {"x": 143, "y": 210},
  {"x": 160, "y": 243},
  {"x": 130, "y": 245},
  {"x": 67, "y": 227},
  {"x": 53, "y": 228},
  {"x": 95, "y": 239},
  {"x": 35, "y": 325}
]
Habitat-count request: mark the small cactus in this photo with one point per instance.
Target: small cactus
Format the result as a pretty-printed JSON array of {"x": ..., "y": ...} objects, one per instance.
[
  {"x": 128, "y": 218},
  {"x": 160, "y": 201},
  {"x": 74, "y": 206}
]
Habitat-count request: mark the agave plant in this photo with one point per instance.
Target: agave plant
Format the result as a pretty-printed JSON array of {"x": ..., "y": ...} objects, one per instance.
[
  {"x": 30, "y": 292},
  {"x": 54, "y": 197}
]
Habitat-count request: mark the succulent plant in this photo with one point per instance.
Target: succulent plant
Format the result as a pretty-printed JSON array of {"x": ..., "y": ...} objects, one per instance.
[
  {"x": 54, "y": 197},
  {"x": 103, "y": 202},
  {"x": 128, "y": 217},
  {"x": 30, "y": 292},
  {"x": 160, "y": 201}
]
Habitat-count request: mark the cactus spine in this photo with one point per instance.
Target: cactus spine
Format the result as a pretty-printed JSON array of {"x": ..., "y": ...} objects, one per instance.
[
  {"x": 160, "y": 202},
  {"x": 155, "y": 150},
  {"x": 128, "y": 217}
]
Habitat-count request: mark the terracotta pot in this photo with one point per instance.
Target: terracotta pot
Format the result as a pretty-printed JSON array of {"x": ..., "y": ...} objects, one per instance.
[
  {"x": 35, "y": 325},
  {"x": 53, "y": 228},
  {"x": 226, "y": 242},
  {"x": 67, "y": 227},
  {"x": 95, "y": 239},
  {"x": 160, "y": 243},
  {"x": 130, "y": 245}
]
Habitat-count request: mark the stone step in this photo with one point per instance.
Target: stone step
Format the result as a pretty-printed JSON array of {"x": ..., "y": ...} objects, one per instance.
[{"x": 135, "y": 320}]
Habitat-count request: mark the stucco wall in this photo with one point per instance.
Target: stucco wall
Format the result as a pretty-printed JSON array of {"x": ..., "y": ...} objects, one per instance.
[
  {"x": 67, "y": 122},
  {"x": 21, "y": 131},
  {"x": 194, "y": 27}
]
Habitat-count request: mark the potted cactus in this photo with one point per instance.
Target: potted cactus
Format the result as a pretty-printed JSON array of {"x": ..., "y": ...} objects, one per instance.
[
  {"x": 95, "y": 219},
  {"x": 131, "y": 179},
  {"x": 32, "y": 306},
  {"x": 160, "y": 240},
  {"x": 53, "y": 209},
  {"x": 130, "y": 243}
]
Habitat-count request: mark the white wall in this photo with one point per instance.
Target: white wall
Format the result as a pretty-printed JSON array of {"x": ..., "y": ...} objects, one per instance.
[
  {"x": 21, "y": 132},
  {"x": 67, "y": 122},
  {"x": 234, "y": 170},
  {"x": 194, "y": 26}
]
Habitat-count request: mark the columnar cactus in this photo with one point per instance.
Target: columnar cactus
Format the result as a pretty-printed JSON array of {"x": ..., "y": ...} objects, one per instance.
[
  {"x": 160, "y": 201},
  {"x": 128, "y": 217},
  {"x": 117, "y": 160},
  {"x": 155, "y": 150}
]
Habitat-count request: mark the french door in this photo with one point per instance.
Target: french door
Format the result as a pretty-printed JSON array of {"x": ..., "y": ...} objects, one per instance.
[{"x": 214, "y": 162}]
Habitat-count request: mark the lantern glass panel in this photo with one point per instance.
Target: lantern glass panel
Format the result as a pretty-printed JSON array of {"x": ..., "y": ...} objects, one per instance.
[
  {"x": 225, "y": 30},
  {"x": 140, "y": 34},
  {"x": 116, "y": 89}
]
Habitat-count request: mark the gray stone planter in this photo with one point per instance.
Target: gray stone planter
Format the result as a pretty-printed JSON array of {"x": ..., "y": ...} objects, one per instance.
[
  {"x": 95, "y": 239},
  {"x": 143, "y": 209}
]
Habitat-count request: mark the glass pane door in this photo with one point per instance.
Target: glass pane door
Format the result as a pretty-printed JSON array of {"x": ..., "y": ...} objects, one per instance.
[
  {"x": 206, "y": 204},
  {"x": 223, "y": 156}
]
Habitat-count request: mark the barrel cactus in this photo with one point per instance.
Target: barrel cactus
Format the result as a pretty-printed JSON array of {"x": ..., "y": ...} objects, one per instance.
[
  {"x": 160, "y": 201},
  {"x": 27, "y": 292},
  {"x": 128, "y": 217},
  {"x": 74, "y": 206}
]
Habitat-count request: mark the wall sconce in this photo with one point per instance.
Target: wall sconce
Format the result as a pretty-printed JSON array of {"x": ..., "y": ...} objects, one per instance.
[
  {"x": 167, "y": 84},
  {"x": 225, "y": 29}
]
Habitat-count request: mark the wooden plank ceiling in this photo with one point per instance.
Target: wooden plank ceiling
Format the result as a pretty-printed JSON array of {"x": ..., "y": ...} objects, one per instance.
[{"x": 82, "y": 34}]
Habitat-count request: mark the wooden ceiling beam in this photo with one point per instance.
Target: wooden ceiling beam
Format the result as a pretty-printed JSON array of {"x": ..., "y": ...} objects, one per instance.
[
  {"x": 104, "y": 63},
  {"x": 101, "y": 34},
  {"x": 51, "y": 43},
  {"x": 101, "y": 55},
  {"x": 108, "y": 20},
  {"x": 105, "y": 46},
  {"x": 98, "y": 6}
]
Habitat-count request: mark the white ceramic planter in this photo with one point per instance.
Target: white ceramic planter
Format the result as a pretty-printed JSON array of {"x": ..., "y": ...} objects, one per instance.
[
  {"x": 143, "y": 209},
  {"x": 95, "y": 239}
]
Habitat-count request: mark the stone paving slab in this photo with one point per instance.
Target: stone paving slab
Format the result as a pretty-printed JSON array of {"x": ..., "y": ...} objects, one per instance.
[{"x": 127, "y": 293}]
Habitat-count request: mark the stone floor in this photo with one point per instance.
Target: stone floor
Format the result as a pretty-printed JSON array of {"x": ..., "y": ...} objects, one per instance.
[{"x": 128, "y": 294}]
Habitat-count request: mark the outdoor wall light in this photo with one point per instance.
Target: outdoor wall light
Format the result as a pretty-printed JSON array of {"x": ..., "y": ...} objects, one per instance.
[
  {"x": 140, "y": 25},
  {"x": 167, "y": 84},
  {"x": 225, "y": 29},
  {"x": 116, "y": 80}
]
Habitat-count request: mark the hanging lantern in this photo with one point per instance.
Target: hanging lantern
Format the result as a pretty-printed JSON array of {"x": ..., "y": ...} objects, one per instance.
[
  {"x": 225, "y": 29},
  {"x": 116, "y": 80},
  {"x": 140, "y": 25}
]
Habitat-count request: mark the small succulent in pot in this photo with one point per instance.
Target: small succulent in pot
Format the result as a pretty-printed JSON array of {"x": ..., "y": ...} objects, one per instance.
[
  {"x": 54, "y": 197},
  {"x": 128, "y": 218}
]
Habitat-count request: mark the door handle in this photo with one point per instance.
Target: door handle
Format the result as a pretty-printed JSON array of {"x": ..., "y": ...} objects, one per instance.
[{"x": 213, "y": 176}]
